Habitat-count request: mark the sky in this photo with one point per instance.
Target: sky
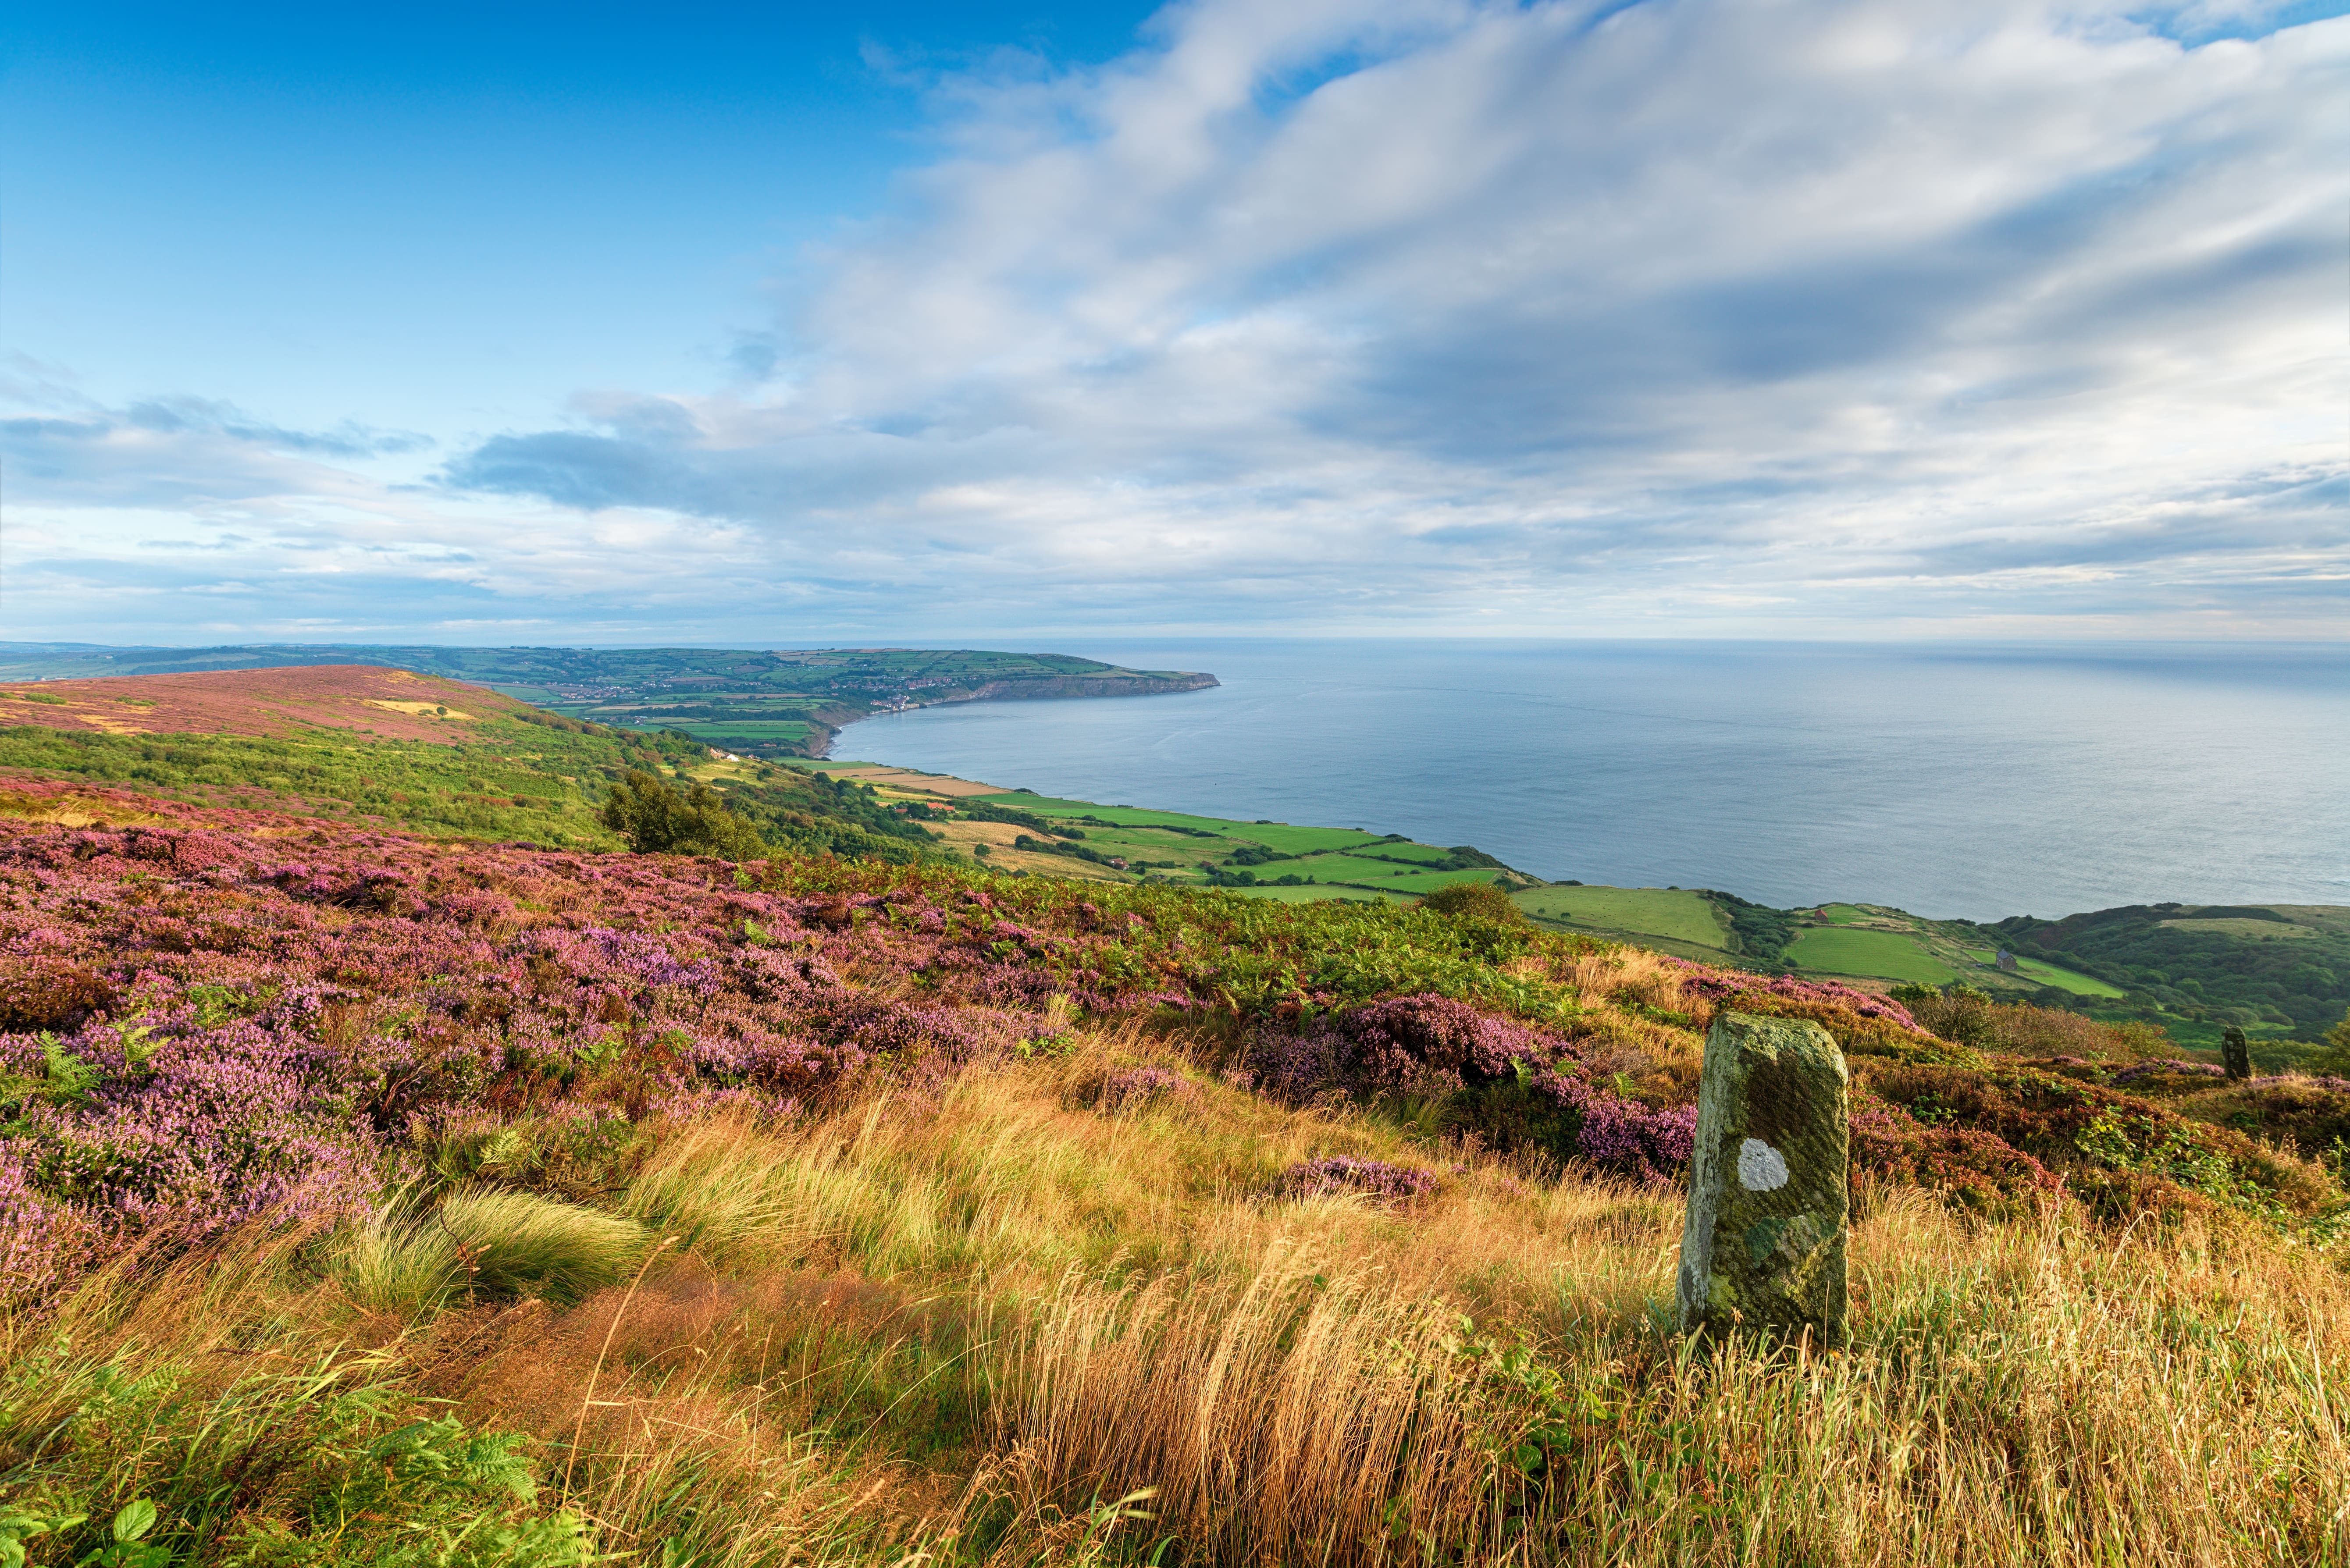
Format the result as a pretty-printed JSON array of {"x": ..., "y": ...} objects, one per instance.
[{"x": 1868, "y": 319}]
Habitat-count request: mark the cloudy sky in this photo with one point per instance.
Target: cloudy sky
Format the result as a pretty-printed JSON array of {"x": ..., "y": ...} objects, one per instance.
[{"x": 606, "y": 323}]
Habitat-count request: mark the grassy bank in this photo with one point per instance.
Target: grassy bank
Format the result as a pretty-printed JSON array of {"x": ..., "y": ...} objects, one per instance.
[{"x": 1014, "y": 1324}]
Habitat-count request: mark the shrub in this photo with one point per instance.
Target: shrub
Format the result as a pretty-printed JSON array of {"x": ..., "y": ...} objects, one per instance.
[
  {"x": 1130, "y": 1088},
  {"x": 1476, "y": 901},
  {"x": 1335, "y": 1173},
  {"x": 657, "y": 818}
]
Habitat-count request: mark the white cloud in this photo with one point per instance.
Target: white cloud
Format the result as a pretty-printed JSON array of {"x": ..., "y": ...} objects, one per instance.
[{"x": 1681, "y": 316}]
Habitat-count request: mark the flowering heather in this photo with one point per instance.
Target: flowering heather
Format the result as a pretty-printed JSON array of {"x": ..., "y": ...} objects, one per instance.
[
  {"x": 1716, "y": 986},
  {"x": 1434, "y": 1045},
  {"x": 1620, "y": 1135},
  {"x": 1336, "y": 1173},
  {"x": 1132, "y": 1087},
  {"x": 1424, "y": 1044}
]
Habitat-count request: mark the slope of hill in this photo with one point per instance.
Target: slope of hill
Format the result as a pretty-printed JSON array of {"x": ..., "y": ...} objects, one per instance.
[
  {"x": 396, "y": 704},
  {"x": 395, "y": 749},
  {"x": 364, "y": 1198}
]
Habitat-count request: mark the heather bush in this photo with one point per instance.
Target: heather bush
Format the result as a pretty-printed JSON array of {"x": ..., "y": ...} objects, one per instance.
[
  {"x": 1335, "y": 1173},
  {"x": 1130, "y": 1088}
]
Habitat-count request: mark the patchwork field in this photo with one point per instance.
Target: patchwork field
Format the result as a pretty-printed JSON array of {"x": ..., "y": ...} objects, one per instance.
[
  {"x": 2051, "y": 975},
  {"x": 1289, "y": 862},
  {"x": 1829, "y": 950},
  {"x": 1674, "y": 913}
]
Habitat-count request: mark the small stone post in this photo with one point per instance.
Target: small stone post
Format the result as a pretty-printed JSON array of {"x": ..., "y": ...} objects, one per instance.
[
  {"x": 1764, "y": 1244},
  {"x": 2237, "y": 1052}
]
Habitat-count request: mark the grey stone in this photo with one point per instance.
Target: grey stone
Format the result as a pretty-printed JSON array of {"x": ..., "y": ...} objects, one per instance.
[
  {"x": 1763, "y": 1247},
  {"x": 2237, "y": 1052}
]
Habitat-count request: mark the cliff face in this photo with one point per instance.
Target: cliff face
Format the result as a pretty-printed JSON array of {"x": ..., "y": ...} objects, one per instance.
[
  {"x": 1087, "y": 686},
  {"x": 829, "y": 721}
]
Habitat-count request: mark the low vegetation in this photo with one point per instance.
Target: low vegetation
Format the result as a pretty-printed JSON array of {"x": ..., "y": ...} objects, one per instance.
[
  {"x": 539, "y": 778},
  {"x": 370, "y": 1200}
]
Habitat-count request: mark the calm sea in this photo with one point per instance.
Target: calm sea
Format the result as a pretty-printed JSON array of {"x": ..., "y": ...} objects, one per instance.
[{"x": 1976, "y": 781}]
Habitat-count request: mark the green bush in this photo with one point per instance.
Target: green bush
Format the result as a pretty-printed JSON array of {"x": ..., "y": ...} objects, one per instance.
[
  {"x": 657, "y": 818},
  {"x": 1475, "y": 900}
]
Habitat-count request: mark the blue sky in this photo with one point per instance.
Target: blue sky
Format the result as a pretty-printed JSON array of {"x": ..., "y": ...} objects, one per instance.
[{"x": 543, "y": 324}]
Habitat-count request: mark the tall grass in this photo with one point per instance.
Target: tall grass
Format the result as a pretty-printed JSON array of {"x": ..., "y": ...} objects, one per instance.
[{"x": 981, "y": 1326}]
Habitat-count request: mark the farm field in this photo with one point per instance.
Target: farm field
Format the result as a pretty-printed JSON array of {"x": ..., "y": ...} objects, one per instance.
[
  {"x": 1887, "y": 955},
  {"x": 1344, "y": 869},
  {"x": 1425, "y": 882},
  {"x": 1677, "y": 913},
  {"x": 1239, "y": 854},
  {"x": 750, "y": 732},
  {"x": 2051, "y": 975},
  {"x": 1320, "y": 894}
]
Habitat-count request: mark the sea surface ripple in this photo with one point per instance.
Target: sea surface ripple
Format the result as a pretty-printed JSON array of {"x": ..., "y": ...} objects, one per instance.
[{"x": 1953, "y": 780}]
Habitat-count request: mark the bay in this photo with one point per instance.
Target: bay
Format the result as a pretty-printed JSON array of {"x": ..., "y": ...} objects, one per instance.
[{"x": 1953, "y": 780}]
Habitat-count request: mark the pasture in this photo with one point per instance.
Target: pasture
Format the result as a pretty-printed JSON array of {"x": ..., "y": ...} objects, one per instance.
[
  {"x": 1672, "y": 912},
  {"x": 2051, "y": 975},
  {"x": 1887, "y": 955}
]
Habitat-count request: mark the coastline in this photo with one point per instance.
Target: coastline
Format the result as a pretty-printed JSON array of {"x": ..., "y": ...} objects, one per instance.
[{"x": 824, "y": 729}]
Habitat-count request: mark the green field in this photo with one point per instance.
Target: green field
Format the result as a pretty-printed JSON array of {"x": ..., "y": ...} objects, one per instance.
[
  {"x": 1430, "y": 881},
  {"x": 1830, "y": 950},
  {"x": 749, "y": 731},
  {"x": 1340, "y": 868},
  {"x": 1844, "y": 914},
  {"x": 1278, "y": 836},
  {"x": 2062, "y": 979},
  {"x": 1320, "y": 894},
  {"x": 1671, "y": 912}
]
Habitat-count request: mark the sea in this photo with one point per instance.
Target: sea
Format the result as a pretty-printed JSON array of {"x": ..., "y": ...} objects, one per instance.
[{"x": 1969, "y": 781}]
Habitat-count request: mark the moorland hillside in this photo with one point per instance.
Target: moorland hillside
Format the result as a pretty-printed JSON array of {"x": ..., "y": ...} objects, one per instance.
[
  {"x": 389, "y": 748},
  {"x": 369, "y": 1198}
]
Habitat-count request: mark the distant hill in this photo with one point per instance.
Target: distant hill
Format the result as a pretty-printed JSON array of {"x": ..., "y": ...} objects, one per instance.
[{"x": 756, "y": 703}]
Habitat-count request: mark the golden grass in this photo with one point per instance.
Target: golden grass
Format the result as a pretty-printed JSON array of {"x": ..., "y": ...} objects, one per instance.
[{"x": 978, "y": 1326}]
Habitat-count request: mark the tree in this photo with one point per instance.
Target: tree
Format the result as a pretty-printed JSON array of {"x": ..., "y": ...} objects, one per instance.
[
  {"x": 1475, "y": 900},
  {"x": 657, "y": 818},
  {"x": 2336, "y": 1057}
]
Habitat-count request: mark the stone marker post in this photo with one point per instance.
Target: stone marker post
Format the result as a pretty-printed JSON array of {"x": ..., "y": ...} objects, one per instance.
[
  {"x": 2237, "y": 1052},
  {"x": 1764, "y": 1244}
]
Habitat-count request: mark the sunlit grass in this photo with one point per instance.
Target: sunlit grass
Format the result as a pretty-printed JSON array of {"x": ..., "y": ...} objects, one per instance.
[{"x": 968, "y": 1325}]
